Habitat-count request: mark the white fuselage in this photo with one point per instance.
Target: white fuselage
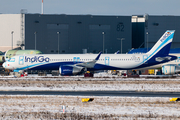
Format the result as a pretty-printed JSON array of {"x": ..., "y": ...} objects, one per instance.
[{"x": 118, "y": 61}]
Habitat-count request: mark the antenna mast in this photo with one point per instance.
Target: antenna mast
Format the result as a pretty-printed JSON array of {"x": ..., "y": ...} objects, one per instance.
[{"x": 42, "y": 8}]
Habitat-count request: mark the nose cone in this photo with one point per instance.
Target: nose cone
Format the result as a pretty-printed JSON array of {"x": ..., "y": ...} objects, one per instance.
[{"x": 4, "y": 65}]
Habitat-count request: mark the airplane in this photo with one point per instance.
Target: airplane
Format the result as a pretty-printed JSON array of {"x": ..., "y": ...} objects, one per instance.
[
  {"x": 5, "y": 56},
  {"x": 11, "y": 53},
  {"x": 75, "y": 64}
]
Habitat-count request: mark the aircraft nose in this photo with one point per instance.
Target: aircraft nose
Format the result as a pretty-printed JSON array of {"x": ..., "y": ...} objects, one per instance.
[{"x": 4, "y": 65}]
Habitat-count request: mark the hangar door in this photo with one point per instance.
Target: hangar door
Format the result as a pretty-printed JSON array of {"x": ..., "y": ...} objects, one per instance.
[
  {"x": 54, "y": 31},
  {"x": 96, "y": 38}
]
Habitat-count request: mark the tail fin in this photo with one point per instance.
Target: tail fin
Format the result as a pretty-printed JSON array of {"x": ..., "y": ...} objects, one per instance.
[{"x": 163, "y": 45}]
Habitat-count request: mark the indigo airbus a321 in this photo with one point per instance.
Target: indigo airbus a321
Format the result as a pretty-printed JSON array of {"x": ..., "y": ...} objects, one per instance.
[{"x": 74, "y": 64}]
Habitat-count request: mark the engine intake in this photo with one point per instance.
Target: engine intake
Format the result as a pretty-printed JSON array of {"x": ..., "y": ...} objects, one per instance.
[{"x": 71, "y": 70}]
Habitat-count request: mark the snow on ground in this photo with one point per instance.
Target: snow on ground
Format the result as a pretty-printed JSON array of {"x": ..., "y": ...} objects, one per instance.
[
  {"x": 84, "y": 87},
  {"x": 117, "y": 107},
  {"x": 98, "y": 76},
  {"x": 142, "y": 107},
  {"x": 102, "y": 107},
  {"x": 101, "y": 81}
]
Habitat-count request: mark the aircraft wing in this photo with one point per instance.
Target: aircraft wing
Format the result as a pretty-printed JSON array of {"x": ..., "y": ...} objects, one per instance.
[{"x": 89, "y": 64}]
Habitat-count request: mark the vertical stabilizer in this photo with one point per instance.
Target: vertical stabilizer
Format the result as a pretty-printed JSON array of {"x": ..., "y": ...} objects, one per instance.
[{"x": 162, "y": 47}]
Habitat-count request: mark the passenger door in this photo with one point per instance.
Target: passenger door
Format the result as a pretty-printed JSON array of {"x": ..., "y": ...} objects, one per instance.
[
  {"x": 106, "y": 60},
  {"x": 21, "y": 60}
]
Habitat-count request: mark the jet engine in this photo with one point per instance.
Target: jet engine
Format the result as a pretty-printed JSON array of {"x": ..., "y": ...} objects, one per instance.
[{"x": 71, "y": 70}]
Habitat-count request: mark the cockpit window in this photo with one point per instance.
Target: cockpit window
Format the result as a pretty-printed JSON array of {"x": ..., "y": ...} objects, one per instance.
[{"x": 12, "y": 60}]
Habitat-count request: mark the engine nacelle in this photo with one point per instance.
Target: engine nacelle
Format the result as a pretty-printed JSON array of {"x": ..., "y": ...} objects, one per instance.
[
  {"x": 71, "y": 70},
  {"x": 169, "y": 69}
]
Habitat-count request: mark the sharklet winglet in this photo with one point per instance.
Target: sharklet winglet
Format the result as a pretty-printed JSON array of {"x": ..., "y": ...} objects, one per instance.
[{"x": 97, "y": 58}]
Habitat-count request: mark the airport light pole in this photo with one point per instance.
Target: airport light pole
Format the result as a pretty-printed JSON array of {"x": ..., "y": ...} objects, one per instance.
[
  {"x": 147, "y": 40},
  {"x": 12, "y": 38},
  {"x": 103, "y": 41},
  {"x": 35, "y": 39},
  {"x": 58, "y": 41}
]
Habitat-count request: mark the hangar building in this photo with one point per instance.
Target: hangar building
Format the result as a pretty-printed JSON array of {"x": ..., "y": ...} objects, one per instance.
[
  {"x": 147, "y": 29},
  {"x": 53, "y": 34}
]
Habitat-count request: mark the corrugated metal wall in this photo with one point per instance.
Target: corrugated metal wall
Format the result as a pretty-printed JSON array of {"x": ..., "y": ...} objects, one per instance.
[
  {"x": 77, "y": 32},
  {"x": 157, "y": 25}
]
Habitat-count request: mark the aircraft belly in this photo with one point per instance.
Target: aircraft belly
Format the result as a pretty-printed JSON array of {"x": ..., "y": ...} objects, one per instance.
[{"x": 125, "y": 65}]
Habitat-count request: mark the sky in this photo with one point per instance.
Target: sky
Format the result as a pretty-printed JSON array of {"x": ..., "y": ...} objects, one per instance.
[{"x": 93, "y": 7}]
